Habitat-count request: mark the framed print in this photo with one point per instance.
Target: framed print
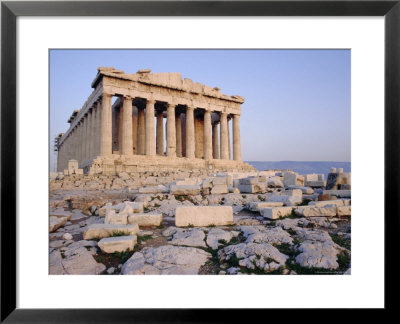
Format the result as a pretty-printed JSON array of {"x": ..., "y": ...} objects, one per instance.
[{"x": 226, "y": 148}]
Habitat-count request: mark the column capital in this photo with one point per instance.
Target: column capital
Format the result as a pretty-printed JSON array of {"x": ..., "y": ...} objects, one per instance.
[
  {"x": 189, "y": 107},
  {"x": 150, "y": 101},
  {"x": 127, "y": 97},
  {"x": 171, "y": 106},
  {"x": 106, "y": 95}
]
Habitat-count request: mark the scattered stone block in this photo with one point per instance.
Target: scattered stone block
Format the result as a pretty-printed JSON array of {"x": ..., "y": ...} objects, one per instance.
[
  {"x": 154, "y": 190},
  {"x": 252, "y": 188},
  {"x": 204, "y": 216},
  {"x": 344, "y": 211},
  {"x": 291, "y": 178},
  {"x": 107, "y": 230},
  {"x": 236, "y": 183},
  {"x": 234, "y": 190},
  {"x": 219, "y": 181},
  {"x": 167, "y": 259},
  {"x": 252, "y": 180},
  {"x": 324, "y": 197},
  {"x": 67, "y": 236},
  {"x": 126, "y": 207},
  {"x": 56, "y": 222},
  {"x": 308, "y": 211},
  {"x": 257, "y": 206},
  {"x": 219, "y": 189},
  {"x": 185, "y": 190},
  {"x": 145, "y": 219},
  {"x": 334, "y": 179},
  {"x": 287, "y": 200},
  {"x": 304, "y": 190},
  {"x": 185, "y": 182},
  {"x": 113, "y": 218},
  {"x": 118, "y": 243},
  {"x": 206, "y": 183},
  {"x": 315, "y": 184},
  {"x": 275, "y": 182},
  {"x": 338, "y": 193},
  {"x": 292, "y": 192},
  {"x": 327, "y": 203},
  {"x": 276, "y": 212},
  {"x": 61, "y": 213}
]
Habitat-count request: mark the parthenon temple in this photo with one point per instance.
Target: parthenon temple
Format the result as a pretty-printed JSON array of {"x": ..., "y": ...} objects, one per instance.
[{"x": 121, "y": 125}]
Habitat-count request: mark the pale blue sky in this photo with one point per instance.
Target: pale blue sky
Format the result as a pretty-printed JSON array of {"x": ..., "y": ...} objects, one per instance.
[{"x": 297, "y": 102}]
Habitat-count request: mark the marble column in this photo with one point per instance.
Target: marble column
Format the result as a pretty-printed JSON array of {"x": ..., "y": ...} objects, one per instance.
[
  {"x": 160, "y": 133},
  {"x": 190, "y": 132},
  {"x": 106, "y": 125},
  {"x": 199, "y": 137},
  {"x": 141, "y": 132},
  {"x": 59, "y": 158},
  {"x": 229, "y": 141},
  {"x": 171, "y": 131},
  {"x": 224, "y": 136},
  {"x": 207, "y": 136},
  {"x": 126, "y": 125},
  {"x": 215, "y": 141},
  {"x": 83, "y": 151},
  {"x": 81, "y": 138},
  {"x": 150, "y": 136},
  {"x": 90, "y": 137},
  {"x": 118, "y": 140},
  {"x": 87, "y": 140},
  {"x": 98, "y": 127},
  {"x": 72, "y": 144},
  {"x": 183, "y": 129},
  {"x": 178, "y": 133},
  {"x": 78, "y": 141},
  {"x": 237, "y": 153},
  {"x": 134, "y": 129}
]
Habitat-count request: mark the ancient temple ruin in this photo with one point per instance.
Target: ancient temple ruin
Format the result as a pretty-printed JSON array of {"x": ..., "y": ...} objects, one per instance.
[{"x": 121, "y": 125}]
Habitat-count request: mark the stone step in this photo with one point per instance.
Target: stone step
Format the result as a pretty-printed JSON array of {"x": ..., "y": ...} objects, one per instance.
[
  {"x": 118, "y": 243},
  {"x": 203, "y": 216},
  {"x": 107, "y": 230}
]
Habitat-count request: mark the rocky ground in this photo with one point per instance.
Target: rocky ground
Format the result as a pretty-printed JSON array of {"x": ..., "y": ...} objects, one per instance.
[{"x": 251, "y": 245}]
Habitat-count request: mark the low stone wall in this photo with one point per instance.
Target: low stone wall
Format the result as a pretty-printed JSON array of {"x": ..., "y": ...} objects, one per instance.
[{"x": 114, "y": 164}]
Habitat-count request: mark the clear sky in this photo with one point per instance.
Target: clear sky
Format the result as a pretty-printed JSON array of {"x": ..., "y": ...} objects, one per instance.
[{"x": 297, "y": 102}]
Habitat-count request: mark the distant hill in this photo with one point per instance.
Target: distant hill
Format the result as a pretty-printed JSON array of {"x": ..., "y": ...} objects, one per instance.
[{"x": 302, "y": 167}]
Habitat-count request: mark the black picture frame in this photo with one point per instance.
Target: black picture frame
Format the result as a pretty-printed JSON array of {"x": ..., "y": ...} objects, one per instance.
[{"x": 10, "y": 10}]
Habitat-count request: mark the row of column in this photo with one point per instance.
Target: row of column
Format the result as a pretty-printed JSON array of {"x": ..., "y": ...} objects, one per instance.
[
  {"x": 92, "y": 135},
  {"x": 138, "y": 134},
  {"x": 83, "y": 141}
]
